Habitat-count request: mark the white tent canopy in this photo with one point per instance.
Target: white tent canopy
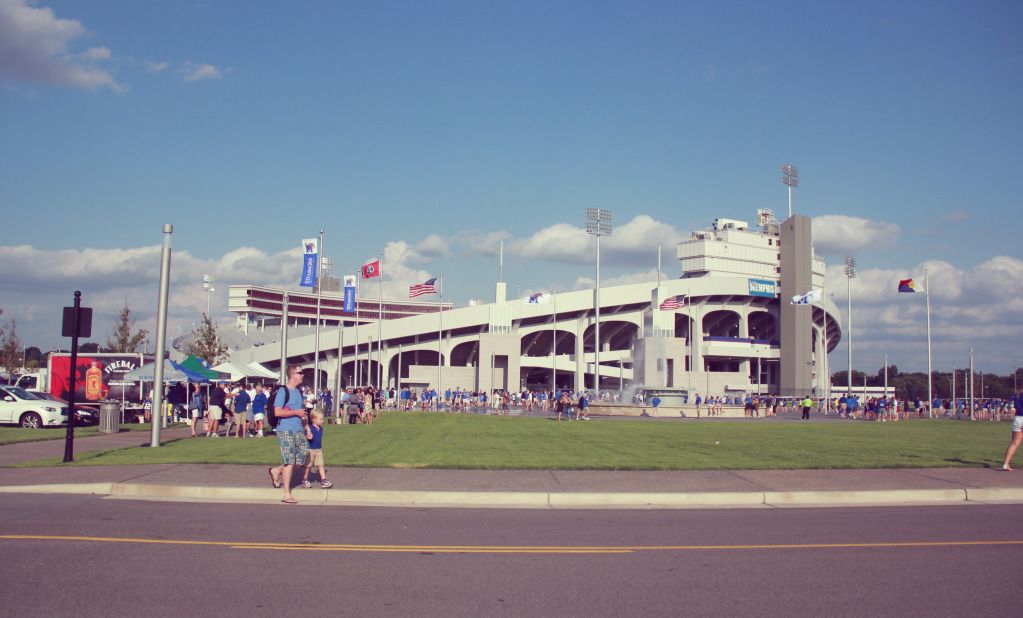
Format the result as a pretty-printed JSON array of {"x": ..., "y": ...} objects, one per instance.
[
  {"x": 262, "y": 372},
  {"x": 239, "y": 371}
]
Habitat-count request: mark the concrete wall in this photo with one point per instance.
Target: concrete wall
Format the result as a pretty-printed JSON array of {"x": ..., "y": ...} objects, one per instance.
[{"x": 795, "y": 323}]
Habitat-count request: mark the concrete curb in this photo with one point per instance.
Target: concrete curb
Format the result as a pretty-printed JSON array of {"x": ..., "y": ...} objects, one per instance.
[
  {"x": 536, "y": 500},
  {"x": 871, "y": 498}
]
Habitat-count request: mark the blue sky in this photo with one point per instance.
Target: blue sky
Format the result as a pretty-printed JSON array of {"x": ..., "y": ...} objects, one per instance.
[{"x": 426, "y": 131}]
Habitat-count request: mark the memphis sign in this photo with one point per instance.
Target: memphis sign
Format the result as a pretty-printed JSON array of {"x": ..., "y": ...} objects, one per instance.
[{"x": 763, "y": 287}]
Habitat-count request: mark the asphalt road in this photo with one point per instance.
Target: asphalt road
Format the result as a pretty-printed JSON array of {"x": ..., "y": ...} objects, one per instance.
[{"x": 87, "y": 556}]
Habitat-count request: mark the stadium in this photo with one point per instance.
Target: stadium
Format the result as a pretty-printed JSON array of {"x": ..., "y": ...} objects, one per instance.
[{"x": 726, "y": 326}]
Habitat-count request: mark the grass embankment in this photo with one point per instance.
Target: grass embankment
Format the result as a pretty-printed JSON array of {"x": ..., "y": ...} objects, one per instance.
[{"x": 418, "y": 440}]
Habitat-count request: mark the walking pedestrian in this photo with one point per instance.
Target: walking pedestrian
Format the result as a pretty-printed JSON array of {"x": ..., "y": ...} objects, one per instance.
[
  {"x": 316, "y": 451},
  {"x": 259, "y": 410},
  {"x": 1017, "y": 431},
  {"x": 292, "y": 435}
]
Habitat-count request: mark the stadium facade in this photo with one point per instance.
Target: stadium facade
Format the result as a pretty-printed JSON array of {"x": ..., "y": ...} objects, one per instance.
[{"x": 735, "y": 329}]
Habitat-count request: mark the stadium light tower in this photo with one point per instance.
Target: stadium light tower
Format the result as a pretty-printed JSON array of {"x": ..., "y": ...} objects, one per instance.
[
  {"x": 207, "y": 284},
  {"x": 598, "y": 223},
  {"x": 790, "y": 178},
  {"x": 850, "y": 274}
]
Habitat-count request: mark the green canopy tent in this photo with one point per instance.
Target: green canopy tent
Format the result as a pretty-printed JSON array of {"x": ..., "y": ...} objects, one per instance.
[{"x": 196, "y": 366}]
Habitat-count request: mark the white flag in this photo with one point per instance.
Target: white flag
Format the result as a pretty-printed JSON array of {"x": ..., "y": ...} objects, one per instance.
[{"x": 810, "y": 298}]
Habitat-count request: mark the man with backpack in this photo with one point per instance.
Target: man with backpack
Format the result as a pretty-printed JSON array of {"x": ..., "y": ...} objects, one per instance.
[{"x": 292, "y": 432}]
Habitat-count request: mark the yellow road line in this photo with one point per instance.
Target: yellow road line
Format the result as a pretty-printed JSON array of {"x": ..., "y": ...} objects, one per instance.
[{"x": 505, "y": 549}]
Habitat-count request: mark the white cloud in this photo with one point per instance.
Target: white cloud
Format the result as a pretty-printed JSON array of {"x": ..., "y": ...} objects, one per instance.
[
  {"x": 155, "y": 67},
  {"x": 630, "y": 244},
  {"x": 34, "y": 47},
  {"x": 842, "y": 234},
  {"x": 978, "y": 307},
  {"x": 474, "y": 242},
  {"x": 97, "y": 53},
  {"x": 198, "y": 72},
  {"x": 433, "y": 246}
]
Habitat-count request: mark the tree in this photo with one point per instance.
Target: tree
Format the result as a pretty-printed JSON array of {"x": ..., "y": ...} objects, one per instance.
[
  {"x": 10, "y": 347},
  {"x": 122, "y": 340},
  {"x": 206, "y": 343},
  {"x": 33, "y": 357}
]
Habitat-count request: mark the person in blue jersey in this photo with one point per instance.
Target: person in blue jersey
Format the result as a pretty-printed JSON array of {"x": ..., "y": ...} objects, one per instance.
[
  {"x": 316, "y": 451},
  {"x": 292, "y": 432}
]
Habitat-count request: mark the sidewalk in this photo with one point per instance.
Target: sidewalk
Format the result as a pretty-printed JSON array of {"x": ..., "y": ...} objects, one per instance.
[{"x": 507, "y": 488}]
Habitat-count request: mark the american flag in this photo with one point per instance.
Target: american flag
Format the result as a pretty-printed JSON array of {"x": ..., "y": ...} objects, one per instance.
[
  {"x": 427, "y": 287},
  {"x": 674, "y": 302}
]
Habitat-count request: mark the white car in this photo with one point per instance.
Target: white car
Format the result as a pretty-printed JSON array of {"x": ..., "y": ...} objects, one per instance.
[{"x": 28, "y": 410}]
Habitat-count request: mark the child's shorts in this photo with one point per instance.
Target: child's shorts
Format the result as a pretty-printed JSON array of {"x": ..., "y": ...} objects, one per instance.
[{"x": 315, "y": 457}]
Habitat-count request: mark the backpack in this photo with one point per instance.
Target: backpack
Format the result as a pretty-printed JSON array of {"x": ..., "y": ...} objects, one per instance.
[{"x": 271, "y": 414}]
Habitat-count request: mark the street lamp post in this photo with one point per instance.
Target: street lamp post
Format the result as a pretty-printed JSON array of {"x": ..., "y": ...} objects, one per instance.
[
  {"x": 790, "y": 178},
  {"x": 598, "y": 223},
  {"x": 850, "y": 274},
  {"x": 207, "y": 284}
]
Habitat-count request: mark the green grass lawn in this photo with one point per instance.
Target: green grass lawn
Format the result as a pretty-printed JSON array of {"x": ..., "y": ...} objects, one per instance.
[
  {"x": 13, "y": 435},
  {"x": 425, "y": 440}
]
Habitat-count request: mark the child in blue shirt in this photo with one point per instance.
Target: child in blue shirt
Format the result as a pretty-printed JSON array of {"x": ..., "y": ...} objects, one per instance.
[{"x": 316, "y": 451}]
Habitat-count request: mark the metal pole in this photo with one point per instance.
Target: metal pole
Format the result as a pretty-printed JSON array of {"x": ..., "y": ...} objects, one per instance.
[
  {"x": 69, "y": 437},
  {"x": 953, "y": 390},
  {"x": 554, "y": 340},
  {"x": 440, "y": 332},
  {"x": 161, "y": 332},
  {"x": 380, "y": 338},
  {"x": 885, "y": 376},
  {"x": 340, "y": 362},
  {"x": 850, "y": 272},
  {"x": 689, "y": 338},
  {"x": 284, "y": 339},
  {"x": 790, "y": 177},
  {"x": 930, "y": 388},
  {"x": 970, "y": 384},
  {"x": 319, "y": 289},
  {"x": 596, "y": 329},
  {"x": 358, "y": 296}
]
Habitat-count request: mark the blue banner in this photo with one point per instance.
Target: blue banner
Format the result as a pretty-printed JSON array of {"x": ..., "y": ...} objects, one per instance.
[
  {"x": 309, "y": 271},
  {"x": 349, "y": 306},
  {"x": 310, "y": 256}
]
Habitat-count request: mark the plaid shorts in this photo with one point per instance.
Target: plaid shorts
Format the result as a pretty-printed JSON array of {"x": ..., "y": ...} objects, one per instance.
[{"x": 294, "y": 447}]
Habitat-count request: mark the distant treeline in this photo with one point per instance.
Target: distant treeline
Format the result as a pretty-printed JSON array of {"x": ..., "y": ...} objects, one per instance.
[{"x": 913, "y": 385}]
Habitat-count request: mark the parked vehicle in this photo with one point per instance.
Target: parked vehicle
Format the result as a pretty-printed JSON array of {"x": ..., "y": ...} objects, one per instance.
[
  {"x": 83, "y": 416},
  {"x": 29, "y": 410}
]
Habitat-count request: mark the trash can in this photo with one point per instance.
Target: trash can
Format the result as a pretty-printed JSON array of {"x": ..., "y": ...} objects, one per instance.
[{"x": 109, "y": 416}]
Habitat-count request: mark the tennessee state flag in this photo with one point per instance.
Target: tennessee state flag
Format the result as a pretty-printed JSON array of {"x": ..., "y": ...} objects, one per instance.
[
  {"x": 907, "y": 285},
  {"x": 371, "y": 269}
]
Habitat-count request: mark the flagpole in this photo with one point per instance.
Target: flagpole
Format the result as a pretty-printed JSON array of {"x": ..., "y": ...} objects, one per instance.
[
  {"x": 319, "y": 289},
  {"x": 340, "y": 358},
  {"x": 930, "y": 392},
  {"x": 440, "y": 332},
  {"x": 358, "y": 296},
  {"x": 380, "y": 321},
  {"x": 827, "y": 368},
  {"x": 689, "y": 336},
  {"x": 554, "y": 342}
]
